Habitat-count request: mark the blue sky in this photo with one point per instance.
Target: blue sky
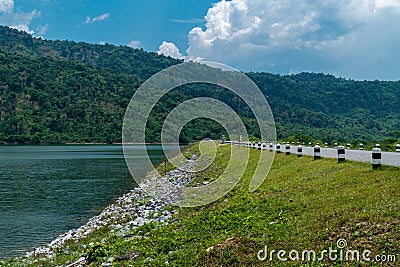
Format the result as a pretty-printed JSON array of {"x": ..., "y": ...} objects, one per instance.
[
  {"x": 116, "y": 22},
  {"x": 356, "y": 39}
]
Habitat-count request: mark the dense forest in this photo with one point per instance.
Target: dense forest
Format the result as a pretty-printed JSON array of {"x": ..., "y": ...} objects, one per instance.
[{"x": 67, "y": 92}]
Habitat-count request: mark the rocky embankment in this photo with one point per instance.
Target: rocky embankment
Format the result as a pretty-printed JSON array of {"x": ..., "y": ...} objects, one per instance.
[{"x": 141, "y": 205}]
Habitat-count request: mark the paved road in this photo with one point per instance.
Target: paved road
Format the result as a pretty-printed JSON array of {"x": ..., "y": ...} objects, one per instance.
[{"x": 388, "y": 158}]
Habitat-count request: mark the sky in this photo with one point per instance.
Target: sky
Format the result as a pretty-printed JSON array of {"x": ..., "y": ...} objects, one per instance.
[{"x": 355, "y": 39}]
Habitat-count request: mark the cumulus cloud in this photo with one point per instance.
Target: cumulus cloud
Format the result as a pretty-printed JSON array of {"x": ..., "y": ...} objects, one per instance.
[
  {"x": 134, "y": 44},
  {"x": 6, "y": 6},
  {"x": 42, "y": 29},
  {"x": 22, "y": 27},
  {"x": 169, "y": 49},
  {"x": 346, "y": 37},
  {"x": 98, "y": 18},
  {"x": 16, "y": 19}
]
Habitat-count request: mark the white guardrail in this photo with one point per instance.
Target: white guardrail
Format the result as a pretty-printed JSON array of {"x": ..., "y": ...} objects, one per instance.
[{"x": 376, "y": 156}]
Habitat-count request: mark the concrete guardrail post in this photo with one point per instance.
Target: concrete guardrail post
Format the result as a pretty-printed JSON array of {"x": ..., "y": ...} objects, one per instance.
[
  {"x": 287, "y": 149},
  {"x": 299, "y": 151},
  {"x": 341, "y": 154},
  {"x": 376, "y": 157},
  {"x": 317, "y": 151}
]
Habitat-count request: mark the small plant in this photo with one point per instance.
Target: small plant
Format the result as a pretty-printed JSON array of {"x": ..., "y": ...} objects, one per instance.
[{"x": 95, "y": 252}]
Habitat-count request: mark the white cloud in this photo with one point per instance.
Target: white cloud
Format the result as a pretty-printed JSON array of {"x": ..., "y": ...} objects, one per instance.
[
  {"x": 17, "y": 20},
  {"x": 98, "y": 18},
  {"x": 134, "y": 44},
  {"x": 6, "y": 6},
  {"x": 101, "y": 17},
  {"x": 169, "y": 49},
  {"x": 42, "y": 29},
  {"x": 22, "y": 27},
  {"x": 381, "y": 4},
  {"x": 305, "y": 35},
  {"x": 190, "y": 21}
]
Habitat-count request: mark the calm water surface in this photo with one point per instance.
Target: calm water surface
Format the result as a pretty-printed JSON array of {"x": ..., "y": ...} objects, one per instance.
[{"x": 48, "y": 190}]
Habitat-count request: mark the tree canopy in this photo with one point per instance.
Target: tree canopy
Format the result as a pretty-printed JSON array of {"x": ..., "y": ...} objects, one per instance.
[{"x": 63, "y": 91}]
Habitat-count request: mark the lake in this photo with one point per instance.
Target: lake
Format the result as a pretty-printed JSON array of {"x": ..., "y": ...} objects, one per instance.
[{"x": 48, "y": 190}]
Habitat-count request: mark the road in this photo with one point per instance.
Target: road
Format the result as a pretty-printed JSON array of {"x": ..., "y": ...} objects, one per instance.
[{"x": 388, "y": 158}]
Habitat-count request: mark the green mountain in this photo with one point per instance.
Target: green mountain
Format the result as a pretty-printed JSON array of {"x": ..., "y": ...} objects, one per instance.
[
  {"x": 332, "y": 109},
  {"x": 120, "y": 59},
  {"x": 63, "y": 91}
]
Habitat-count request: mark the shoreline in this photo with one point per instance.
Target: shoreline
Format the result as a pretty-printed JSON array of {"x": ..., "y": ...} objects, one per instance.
[
  {"x": 88, "y": 143},
  {"x": 144, "y": 204}
]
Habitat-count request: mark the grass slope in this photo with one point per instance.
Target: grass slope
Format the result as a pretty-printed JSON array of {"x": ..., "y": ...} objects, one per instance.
[{"x": 303, "y": 204}]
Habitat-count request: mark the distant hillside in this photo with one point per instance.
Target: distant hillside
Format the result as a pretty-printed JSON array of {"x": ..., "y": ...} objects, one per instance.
[
  {"x": 63, "y": 91},
  {"x": 48, "y": 101},
  {"x": 117, "y": 58},
  {"x": 332, "y": 109}
]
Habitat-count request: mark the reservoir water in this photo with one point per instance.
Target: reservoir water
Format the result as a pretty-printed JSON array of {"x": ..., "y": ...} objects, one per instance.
[{"x": 48, "y": 190}]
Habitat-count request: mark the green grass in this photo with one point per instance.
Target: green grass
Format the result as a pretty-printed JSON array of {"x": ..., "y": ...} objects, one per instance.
[{"x": 303, "y": 204}]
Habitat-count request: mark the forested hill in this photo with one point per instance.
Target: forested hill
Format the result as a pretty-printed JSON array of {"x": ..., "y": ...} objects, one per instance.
[
  {"x": 116, "y": 58},
  {"x": 333, "y": 109},
  {"x": 63, "y": 91}
]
